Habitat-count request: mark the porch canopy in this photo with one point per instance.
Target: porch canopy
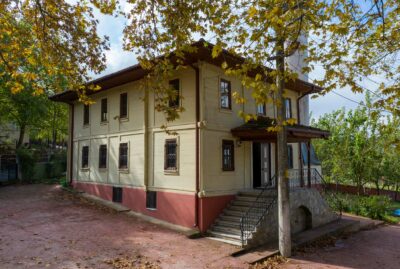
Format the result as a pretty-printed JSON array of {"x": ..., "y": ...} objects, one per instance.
[{"x": 257, "y": 130}]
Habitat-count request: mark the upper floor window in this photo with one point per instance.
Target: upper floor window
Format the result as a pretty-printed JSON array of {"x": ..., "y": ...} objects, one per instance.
[
  {"x": 290, "y": 156},
  {"x": 123, "y": 105},
  {"x": 85, "y": 157},
  {"x": 288, "y": 108},
  {"x": 261, "y": 109},
  {"x": 103, "y": 156},
  {"x": 104, "y": 110},
  {"x": 174, "y": 99},
  {"x": 171, "y": 155},
  {"x": 225, "y": 94},
  {"x": 228, "y": 155},
  {"x": 123, "y": 156},
  {"x": 86, "y": 114}
]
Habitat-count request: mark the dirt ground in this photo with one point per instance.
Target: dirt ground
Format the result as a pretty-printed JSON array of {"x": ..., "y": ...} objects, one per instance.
[{"x": 43, "y": 227}]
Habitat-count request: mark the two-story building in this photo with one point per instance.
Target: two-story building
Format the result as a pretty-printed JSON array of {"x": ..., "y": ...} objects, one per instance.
[{"x": 119, "y": 150}]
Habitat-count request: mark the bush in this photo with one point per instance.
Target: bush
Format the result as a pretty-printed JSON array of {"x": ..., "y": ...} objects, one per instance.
[
  {"x": 64, "y": 182},
  {"x": 27, "y": 164},
  {"x": 375, "y": 207}
]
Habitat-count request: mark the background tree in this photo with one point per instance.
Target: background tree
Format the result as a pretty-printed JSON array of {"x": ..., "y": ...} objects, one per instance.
[
  {"x": 363, "y": 149},
  {"x": 55, "y": 43}
]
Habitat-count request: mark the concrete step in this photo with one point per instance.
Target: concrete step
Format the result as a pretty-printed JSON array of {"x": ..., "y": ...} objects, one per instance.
[
  {"x": 227, "y": 241},
  {"x": 226, "y": 230},
  {"x": 235, "y": 213},
  {"x": 229, "y": 224},
  {"x": 224, "y": 217},
  {"x": 270, "y": 193},
  {"x": 245, "y": 198},
  {"x": 233, "y": 237},
  {"x": 238, "y": 208}
]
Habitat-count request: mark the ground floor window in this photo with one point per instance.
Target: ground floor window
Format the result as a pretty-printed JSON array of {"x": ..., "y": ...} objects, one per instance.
[
  {"x": 117, "y": 195},
  {"x": 171, "y": 155},
  {"x": 85, "y": 157},
  {"x": 290, "y": 156},
  {"x": 123, "y": 156},
  {"x": 103, "y": 156},
  {"x": 151, "y": 200},
  {"x": 228, "y": 156}
]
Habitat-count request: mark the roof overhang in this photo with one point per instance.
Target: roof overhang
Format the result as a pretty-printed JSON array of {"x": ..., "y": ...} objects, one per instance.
[
  {"x": 257, "y": 130},
  {"x": 203, "y": 53}
]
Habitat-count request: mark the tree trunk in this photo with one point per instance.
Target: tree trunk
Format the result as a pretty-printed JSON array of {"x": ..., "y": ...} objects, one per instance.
[
  {"x": 22, "y": 130},
  {"x": 285, "y": 246}
]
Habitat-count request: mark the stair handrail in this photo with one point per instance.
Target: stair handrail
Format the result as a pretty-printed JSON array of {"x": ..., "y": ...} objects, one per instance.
[
  {"x": 327, "y": 190},
  {"x": 246, "y": 224}
]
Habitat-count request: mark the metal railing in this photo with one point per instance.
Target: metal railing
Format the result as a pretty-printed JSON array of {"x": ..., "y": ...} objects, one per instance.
[
  {"x": 313, "y": 179},
  {"x": 298, "y": 178},
  {"x": 257, "y": 211}
]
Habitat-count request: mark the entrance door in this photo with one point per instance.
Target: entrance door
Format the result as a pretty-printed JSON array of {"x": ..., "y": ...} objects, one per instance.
[{"x": 261, "y": 164}]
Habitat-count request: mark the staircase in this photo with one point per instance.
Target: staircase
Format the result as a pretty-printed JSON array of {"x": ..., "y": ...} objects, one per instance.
[{"x": 228, "y": 228}]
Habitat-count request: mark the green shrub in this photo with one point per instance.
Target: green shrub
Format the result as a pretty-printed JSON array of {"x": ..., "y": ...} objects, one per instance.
[
  {"x": 64, "y": 182},
  {"x": 27, "y": 164},
  {"x": 375, "y": 207}
]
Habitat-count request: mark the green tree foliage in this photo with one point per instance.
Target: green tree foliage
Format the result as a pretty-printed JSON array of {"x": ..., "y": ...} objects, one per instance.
[
  {"x": 50, "y": 44},
  {"x": 363, "y": 147}
]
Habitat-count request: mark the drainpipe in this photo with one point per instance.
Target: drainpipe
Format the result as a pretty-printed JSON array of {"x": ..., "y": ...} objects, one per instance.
[
  {"x": 146, "y": 139},
  {"x": 71, "y": 142},
  {"x": 197, "y": 70}
]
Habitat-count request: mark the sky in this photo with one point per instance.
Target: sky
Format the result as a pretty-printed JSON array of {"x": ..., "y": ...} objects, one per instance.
[{"x": 118, "y": 59}]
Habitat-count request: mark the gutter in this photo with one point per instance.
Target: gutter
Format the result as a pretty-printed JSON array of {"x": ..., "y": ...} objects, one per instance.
[
  {"x": 71, "y": 142},
  {"x": 196, "y": 221}
]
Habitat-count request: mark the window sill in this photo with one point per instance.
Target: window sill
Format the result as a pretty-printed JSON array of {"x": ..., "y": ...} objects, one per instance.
[
  {"x": 104, "y": 122},
  {"x": 86, "y": 125},
  {"x": 151, "y": 209},
  {"x": 171, "y": 172},
  {"x": 86, "y": 169},
  {"x": 123, "y": 170},
  {"x": 103, "y": 169},
  {"x": 123, "y": 119},
  {"x": 225, "y": 110}
]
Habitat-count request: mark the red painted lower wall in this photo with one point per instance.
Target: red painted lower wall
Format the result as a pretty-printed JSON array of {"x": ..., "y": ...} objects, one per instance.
[
  {"x": 172, "y": 207},
  {"x": 100, "y": 190},
  {"x": 176, "y": 208},
  {"x": 210, "y": 208}
]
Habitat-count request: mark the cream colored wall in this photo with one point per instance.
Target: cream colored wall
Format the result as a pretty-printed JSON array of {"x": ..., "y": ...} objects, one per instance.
[
  {"x": 132, "y": 130},
  {"x": 217, "y": 124}
]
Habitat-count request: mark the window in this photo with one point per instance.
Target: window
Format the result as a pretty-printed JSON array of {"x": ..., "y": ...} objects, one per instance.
[
  {"x": 288, "y": 107},
  {"x": 103, "y": 110},
  {"x": 103, "y": 156},
  {"x": 123, "y": 106},
  {"x": 170, "y": 155},
  {"x": 225, "y": 94},
  {"x": 123, "y": 156},
  {"x": 290, "y": 157},
  {"x": 117, "y": 195},
  {"x": 86, "y": 115},
  {"x": 151, "y": 200},
  {"x": 261, "y": 110},
  {"x": 85, "y": 157},
  {"x": 228, "y": 158},
  {"x": 174, "y": 100}
]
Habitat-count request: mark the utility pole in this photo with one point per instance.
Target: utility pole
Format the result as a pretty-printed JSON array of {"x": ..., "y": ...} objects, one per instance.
[{"x": 285, "y": 243}]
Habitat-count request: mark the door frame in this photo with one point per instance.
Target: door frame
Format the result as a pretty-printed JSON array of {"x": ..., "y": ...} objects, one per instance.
[{"x": 256, "y": 164}]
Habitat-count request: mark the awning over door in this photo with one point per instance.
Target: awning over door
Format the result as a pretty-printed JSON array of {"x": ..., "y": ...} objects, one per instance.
[{"x": 257, "y": 130}]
